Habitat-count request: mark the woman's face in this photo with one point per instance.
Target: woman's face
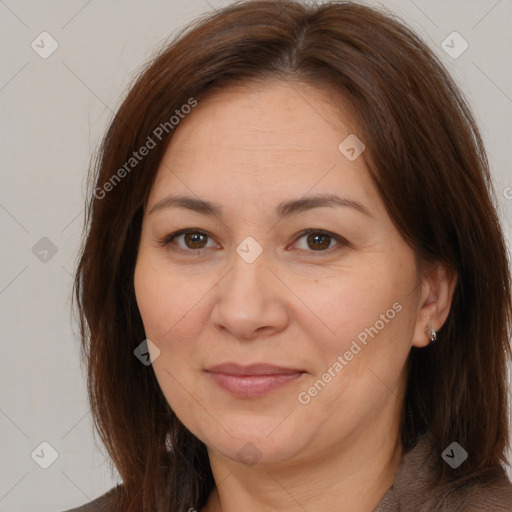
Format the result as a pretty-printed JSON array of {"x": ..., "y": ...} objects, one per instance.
[{"x": 338, "y": 309}]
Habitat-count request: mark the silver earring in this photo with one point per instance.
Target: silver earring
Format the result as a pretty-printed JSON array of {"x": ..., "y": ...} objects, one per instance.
[{"x": 431, "y": 333}]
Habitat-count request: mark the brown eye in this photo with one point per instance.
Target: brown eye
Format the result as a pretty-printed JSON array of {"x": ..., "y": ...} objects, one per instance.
[
  {"x": 191, "y": 241},
  {"x": 318, "y": 241},
  {"x": 194, "y": 240}
]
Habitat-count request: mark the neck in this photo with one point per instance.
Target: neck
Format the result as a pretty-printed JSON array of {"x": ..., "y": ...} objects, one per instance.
[{"x": 353, "y": 477}]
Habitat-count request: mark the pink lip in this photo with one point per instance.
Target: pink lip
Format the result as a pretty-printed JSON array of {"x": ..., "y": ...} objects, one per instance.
[{"x": 253, "y": 380}]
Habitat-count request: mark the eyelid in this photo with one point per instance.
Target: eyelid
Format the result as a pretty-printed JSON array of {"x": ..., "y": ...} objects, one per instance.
[
  {"x": 167, "y": 240},
  {"x": 340, "y": 241}
]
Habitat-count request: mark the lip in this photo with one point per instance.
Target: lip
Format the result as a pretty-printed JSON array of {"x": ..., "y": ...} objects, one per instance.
[
  {"x": 253, "y": 380},
  {"x": 252, "y": 369}
]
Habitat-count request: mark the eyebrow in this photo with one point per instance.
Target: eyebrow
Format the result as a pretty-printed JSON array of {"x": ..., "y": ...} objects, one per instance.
[{"x": 284, "y": 209}]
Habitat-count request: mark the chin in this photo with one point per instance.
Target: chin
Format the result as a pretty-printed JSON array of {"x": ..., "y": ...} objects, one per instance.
[{"x": 250, "y": 441}]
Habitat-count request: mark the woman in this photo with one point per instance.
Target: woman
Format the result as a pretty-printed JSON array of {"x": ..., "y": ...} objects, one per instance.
[{"x": 294, "y": 289}]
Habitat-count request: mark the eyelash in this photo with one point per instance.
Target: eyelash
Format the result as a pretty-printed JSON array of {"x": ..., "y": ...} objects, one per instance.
[{"x": 166, "y": 241}]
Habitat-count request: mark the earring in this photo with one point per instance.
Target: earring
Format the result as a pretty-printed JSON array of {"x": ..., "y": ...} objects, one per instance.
[{"x": 431, "y": 333}]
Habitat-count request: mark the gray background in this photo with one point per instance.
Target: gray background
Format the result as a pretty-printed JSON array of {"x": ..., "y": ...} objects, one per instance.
[{"x": 54, "y": 112}]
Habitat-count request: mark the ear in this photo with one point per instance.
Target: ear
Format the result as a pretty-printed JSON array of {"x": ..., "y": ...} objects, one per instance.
[{"x": 435, "y": 300}]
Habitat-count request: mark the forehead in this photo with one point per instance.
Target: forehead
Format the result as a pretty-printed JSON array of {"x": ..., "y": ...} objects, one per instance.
[
  {"x": 274, "y": 114},
  {"x": 262, "y": 137}
]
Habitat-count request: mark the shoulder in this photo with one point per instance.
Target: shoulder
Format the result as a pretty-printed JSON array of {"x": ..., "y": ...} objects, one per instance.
[
  {"x": 415, "y": 487},
  {"x": 490, "y": 490},
  {"x": 103, "y": 503}
]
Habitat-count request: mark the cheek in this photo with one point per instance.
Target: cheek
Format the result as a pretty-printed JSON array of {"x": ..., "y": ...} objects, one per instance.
[
  {"x": 170, "y": 313},
  {"x": 355, "y": 303},
  {"x": 168, "y": 303},
  {"x": 368, "y": 320},
  {"x": 361, "y": 365}
]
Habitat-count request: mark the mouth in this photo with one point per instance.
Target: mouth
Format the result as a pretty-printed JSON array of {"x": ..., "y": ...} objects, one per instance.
[{"x": 254, "y": 380}]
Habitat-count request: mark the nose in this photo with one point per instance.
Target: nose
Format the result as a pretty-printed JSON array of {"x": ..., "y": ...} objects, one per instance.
[{"x": 250, "y": 300}]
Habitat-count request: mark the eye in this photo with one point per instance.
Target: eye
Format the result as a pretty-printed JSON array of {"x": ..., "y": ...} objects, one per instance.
[
  {"x": 319, "y": 240},
  {"x": 196, "y": 241}
]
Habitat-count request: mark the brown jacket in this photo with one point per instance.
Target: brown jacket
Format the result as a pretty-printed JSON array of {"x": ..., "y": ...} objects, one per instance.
[{"x": 413, "y": 491}]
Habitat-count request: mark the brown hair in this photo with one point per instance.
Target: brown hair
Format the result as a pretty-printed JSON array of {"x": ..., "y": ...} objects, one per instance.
[{"x": 426, "y": 158}]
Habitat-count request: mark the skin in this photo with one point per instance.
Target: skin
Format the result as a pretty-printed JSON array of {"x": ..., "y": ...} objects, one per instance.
[{"x": 300, "y": 304}]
